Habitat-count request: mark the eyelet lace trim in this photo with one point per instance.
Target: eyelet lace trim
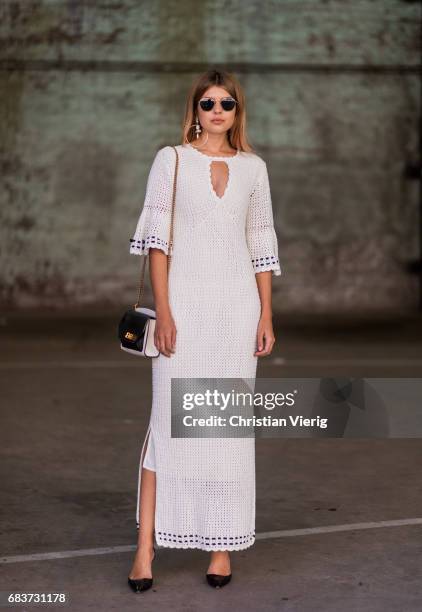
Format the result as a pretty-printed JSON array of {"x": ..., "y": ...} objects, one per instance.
[
  {"x": 264, "y": 261},
  {"x": 194, "y": 540},
  {"x": 147, "y": 242},
  {"x": 205, "y": 540}
]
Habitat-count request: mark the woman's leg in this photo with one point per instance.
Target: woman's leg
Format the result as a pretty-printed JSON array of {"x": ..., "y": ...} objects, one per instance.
[
  {"x": 219, "y": 563},
  {"x": 145, "y": 549}
]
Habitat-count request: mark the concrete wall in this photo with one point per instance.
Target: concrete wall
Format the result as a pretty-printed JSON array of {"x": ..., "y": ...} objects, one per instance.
[{"x": 90, "y": 90}]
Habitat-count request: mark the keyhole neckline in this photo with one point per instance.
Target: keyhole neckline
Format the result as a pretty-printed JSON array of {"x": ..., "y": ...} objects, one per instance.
[
  {"x": 216, "y": 157},
  {"x": 211, "y": 186}
]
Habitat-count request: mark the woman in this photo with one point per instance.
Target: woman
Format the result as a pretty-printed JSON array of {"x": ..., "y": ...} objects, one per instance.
[{"x": 216, "y": 300}]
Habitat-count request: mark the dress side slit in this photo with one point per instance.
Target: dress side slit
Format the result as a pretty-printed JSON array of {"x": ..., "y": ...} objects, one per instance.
[{"x": 144, "y": 452}]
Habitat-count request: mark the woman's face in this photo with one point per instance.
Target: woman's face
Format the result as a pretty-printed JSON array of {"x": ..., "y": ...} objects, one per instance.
[{"x": 208, "y": 119}]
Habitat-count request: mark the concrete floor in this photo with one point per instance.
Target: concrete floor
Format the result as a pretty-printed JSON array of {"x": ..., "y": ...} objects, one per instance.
[{"x": 73, "y": 425}]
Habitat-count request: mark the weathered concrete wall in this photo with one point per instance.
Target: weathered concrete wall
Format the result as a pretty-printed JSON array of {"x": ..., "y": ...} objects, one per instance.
[{"x": 90, "y": 90}]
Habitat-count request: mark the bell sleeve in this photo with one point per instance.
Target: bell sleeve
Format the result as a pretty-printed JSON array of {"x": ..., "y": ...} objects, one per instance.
[
  {"x": 260, "y": 232},
  {"x": 153, "y": 226}
]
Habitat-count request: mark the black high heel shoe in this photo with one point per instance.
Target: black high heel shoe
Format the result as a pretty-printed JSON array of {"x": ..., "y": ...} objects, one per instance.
[
  {"x": 217, "y": 580},
  {"x": 141, "y": 584}
]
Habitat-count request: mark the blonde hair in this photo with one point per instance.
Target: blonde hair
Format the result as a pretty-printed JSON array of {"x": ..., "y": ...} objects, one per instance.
[{"x": 237, "y": 133}]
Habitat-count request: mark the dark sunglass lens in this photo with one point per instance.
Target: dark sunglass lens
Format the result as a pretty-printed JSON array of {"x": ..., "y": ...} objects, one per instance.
[
  {"x": 206, "y": 105},
  {"x": 228, "y": 105}
]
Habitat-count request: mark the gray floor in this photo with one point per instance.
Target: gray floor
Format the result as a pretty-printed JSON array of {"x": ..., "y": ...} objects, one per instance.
[{"x": 74, "y": 413}]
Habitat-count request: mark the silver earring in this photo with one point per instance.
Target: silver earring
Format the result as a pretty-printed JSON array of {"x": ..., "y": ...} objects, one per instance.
[
  {"x": 198, "y": 130},
  {"x": 197, "y": 127}
]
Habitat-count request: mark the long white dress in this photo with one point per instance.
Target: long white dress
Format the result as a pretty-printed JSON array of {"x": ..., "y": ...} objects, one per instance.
[{"x": 205, "y": 487}]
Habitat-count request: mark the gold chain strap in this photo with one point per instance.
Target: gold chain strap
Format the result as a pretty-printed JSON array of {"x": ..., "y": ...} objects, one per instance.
[{"x": 170, "y": 247}]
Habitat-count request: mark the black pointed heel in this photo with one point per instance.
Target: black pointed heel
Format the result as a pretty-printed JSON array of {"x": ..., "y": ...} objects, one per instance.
[
  {"x": 141, "y": 584},
  {"x": 217, "y": 581}
]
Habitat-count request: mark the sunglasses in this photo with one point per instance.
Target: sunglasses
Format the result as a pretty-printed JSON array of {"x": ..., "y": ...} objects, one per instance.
[{"x": 227, "y": 104}]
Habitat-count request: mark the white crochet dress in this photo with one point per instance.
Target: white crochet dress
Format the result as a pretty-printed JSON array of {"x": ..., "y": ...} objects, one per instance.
[{"x": 205, "y": 487}]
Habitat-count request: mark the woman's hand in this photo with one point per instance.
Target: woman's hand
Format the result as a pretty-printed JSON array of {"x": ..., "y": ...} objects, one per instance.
[
  {"x": 265, "y": 336},
  {"x": 165, "y": 333}
]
